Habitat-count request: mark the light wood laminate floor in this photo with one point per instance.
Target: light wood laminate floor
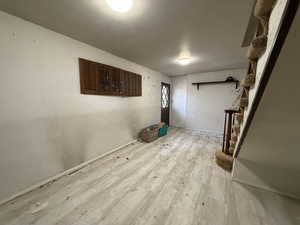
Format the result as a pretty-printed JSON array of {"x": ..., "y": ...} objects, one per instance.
[{"x": 172, "y": 181}]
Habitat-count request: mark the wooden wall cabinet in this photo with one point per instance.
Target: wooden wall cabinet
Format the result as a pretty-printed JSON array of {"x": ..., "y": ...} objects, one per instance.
[{"x": 101, "y": 79}]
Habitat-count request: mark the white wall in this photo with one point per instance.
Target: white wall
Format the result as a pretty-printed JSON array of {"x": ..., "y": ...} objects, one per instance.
[
  {"x": 270, "y": 156},
  {"x": 46, "y": 125},
  {"x": 178, "y": 98},
  {"x": 203, "y": 109}
]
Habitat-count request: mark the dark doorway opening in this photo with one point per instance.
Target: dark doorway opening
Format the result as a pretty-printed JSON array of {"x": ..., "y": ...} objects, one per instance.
[{"x": 165, "y": 103}]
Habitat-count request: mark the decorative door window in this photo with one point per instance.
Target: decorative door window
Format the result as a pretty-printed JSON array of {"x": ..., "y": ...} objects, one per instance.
[{"x": 165, "y": 97}]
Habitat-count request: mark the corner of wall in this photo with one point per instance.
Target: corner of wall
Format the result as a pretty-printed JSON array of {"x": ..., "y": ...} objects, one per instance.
[{"x": 266, "y": 177}]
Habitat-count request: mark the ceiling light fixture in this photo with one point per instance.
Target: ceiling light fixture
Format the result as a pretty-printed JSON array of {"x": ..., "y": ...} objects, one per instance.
[
  {"x": 184, "y": 61},
  {"x": 120, "y": 5}
]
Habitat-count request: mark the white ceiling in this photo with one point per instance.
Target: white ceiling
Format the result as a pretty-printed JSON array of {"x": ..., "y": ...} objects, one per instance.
[{"x": 154, "y": 33}]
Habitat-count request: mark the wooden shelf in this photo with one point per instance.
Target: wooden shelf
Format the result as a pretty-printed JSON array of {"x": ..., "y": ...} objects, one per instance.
[{"x": 228, "y": 80}]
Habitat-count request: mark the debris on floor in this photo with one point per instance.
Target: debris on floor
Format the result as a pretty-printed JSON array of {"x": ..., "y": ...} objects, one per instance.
[
  {"x": 166, "y": 150},
  {"x": 74, "y": 172},
  {"x": 37, "y": 207},
  {"x": 133, "y": 189},
  {"x": 47, "y": 184},
  {"x": 83, "y": 213}
]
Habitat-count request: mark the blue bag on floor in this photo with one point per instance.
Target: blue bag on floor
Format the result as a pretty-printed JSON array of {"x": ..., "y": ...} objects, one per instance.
[{"x": 163, "y": 131}]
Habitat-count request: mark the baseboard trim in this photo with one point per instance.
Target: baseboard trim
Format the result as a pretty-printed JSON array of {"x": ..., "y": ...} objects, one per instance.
[
  {"x": 67, "y": 172},
  {"x": 207, "y": 133},
  {"x": 202, "y": 132},
  {"x": 265, "y": 188}
]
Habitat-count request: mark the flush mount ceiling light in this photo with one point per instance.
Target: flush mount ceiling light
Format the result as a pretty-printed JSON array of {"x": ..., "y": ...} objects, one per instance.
[
  {"x": 184, "y": 61},
  {"x": 120, "y": 5}
]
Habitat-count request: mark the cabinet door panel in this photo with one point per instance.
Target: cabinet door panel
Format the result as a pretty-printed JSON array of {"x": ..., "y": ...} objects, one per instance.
[
  {"x": 122, "y": 82},
  {"x": 135, "y": 85},
  {"x": 132, "y": 84},
  {"x": 88, "y": 76},
  {"x": 103, "y": 78},
  {"x": 139, "y": 85},
  {"x": 100, "y": 79},
  {"x": 91, "y": 81},
  {"x": 127, "y": 83},
  {"x": 115, "y": 81},
  {"x": 84, "y": 71}
]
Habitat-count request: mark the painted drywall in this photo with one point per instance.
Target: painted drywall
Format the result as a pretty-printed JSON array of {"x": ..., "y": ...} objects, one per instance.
[
  {"x": 269, "y": 157},
  {"x": 46, "y": 125},
  {"x": 203, "y": 109},
  {"x": 178, "y": 98}
]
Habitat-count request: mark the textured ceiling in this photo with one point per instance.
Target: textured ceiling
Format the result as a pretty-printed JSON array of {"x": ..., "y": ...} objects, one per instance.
[{"x": 154, "y": 33}]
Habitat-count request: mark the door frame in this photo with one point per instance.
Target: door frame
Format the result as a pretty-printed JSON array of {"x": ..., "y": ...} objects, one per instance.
[{"x": 169, "y": 105}]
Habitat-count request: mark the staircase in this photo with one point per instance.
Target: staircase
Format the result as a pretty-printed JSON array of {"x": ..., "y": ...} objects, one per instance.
[{"x": 259, "y": 54}]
